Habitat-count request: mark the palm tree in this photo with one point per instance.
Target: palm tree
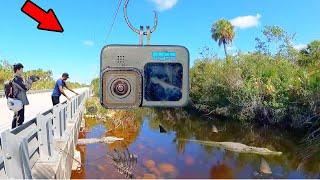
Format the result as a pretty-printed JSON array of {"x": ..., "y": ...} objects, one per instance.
[{"x": 223, "y": 33}]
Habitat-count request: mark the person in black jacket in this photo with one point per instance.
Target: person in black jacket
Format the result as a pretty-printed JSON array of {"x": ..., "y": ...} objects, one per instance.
[{"x": 20, "y": 88}]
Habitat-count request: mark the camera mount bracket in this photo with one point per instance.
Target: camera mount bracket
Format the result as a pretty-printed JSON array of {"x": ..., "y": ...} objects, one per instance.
[{"x": 141, "y": 31}]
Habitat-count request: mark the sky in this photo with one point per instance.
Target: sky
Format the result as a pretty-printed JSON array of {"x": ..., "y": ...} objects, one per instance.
[{"x": 181, "y": 22}]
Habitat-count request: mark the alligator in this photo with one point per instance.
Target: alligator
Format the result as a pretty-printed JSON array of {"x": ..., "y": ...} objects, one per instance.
[
  {"x": 107, "y": 140},
  {"x": 238, "y": 147}
]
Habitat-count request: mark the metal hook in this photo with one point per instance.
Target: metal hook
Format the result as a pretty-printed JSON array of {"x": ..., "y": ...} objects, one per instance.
[
  {"x": 141, "y": 31},
  {"x": 127, "y": 19}
]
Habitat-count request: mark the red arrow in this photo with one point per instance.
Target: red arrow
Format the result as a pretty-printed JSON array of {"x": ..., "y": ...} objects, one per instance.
[{"x": 47, "y": 20}]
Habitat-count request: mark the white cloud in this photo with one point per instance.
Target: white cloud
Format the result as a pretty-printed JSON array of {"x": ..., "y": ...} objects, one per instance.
[
  {"x": 300, "y": 46},
  {"x": 244, "y": 22},
  {"x": 88, "y": 43},
  {"x": 163, "y": 5}
]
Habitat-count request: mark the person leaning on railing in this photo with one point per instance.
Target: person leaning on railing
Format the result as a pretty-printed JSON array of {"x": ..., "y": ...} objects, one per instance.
[{"x": 58, "y": 89}]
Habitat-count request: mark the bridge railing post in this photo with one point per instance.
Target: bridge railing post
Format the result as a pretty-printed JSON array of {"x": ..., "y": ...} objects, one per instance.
[
  {"x": 76, "y": 104},
  {"x": 16, "y": 156},
  {"x": 45, "y": 135},
  {"x": 59, "y": 120},
  {"x": 73, "y": 108},
  {"x": 69, "y": 111},
  {"x": 79, "y": 100}
]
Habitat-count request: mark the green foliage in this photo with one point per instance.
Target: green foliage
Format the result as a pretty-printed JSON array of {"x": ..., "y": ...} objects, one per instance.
[
  {"x": 311, "y": 55},
  {"x": 94, "y": 104},
  {"x": 5, "y": 71},
  {"x": 275, "y": 85},
  {"x": 274, "y": 33},
  {"x": 95, "y": 85},
  {"x": 270, "y": 90},
  {"x": 223, "y": 33},
  {"x": 276, "y": 39},
  {"x": 46, "y": 80}
]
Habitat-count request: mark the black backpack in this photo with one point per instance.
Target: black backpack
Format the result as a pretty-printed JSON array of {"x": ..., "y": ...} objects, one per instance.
[{"x": 8, "y": 89}]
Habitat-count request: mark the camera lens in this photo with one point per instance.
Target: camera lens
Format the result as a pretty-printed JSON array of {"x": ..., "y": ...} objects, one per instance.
[{"x": 120, "y": 88}]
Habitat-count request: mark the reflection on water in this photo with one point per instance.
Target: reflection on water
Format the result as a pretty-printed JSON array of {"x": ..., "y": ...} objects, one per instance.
[{"x": 164, "y": 155}]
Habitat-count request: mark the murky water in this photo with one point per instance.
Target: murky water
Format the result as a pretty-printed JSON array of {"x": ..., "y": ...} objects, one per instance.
[{"x": 168, "y": 155}]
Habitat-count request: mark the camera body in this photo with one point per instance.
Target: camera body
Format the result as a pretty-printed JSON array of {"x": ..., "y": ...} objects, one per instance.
[
  {"x": 34, "y": 78},
  {"x": 132, "y": 76}
]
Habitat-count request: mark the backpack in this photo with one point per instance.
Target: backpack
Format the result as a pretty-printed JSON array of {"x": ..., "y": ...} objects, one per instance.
[
  {"x": 12, "y": 103},
  {"x": 8, "y": 89}
]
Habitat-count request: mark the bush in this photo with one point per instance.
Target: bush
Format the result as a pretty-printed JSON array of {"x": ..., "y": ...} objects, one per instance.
[
  {"x": 95, "y": 85},
  {"x": 256, "y": 87}
]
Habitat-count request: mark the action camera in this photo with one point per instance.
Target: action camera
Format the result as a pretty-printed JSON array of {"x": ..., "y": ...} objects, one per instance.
[{"x": 134, "y": 76}]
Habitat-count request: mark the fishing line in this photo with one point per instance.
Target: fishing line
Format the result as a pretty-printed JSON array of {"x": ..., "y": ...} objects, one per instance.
[{"x": 114, "y": 20}]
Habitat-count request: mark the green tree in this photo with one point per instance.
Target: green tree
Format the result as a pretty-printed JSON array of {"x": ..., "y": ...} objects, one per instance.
[
  {"x": 311, "y": 54},
  {"x": 223, "y": 32},
  {"x": 277, "y": 40},
  {"x": 5, "y": 71}
]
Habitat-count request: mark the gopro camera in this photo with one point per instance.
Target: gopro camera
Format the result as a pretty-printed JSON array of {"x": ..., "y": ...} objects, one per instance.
[{"x": 134, "y": 76}]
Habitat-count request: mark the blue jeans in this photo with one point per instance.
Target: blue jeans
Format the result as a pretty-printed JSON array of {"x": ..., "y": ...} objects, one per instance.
[{"x": 55, "y": 100}]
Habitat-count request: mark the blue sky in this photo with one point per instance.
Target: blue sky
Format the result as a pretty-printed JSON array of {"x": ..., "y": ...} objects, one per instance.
[{"x": 181, "y": 22}]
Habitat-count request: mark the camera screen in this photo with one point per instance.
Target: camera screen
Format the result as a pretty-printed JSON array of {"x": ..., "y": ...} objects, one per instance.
[{"x": 163, "y": 81}]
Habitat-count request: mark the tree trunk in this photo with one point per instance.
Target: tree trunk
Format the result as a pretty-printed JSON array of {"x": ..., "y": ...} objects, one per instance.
[{"x": 225, "y": 50}]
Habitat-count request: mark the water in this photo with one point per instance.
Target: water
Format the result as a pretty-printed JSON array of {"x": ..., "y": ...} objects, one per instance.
[{"x": 166, "y": 155}]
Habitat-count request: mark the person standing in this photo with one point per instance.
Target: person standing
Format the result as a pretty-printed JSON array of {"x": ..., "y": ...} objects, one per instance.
[
  {"x": 20, "y": 88},
  {"x": 58, "y": 89}
]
